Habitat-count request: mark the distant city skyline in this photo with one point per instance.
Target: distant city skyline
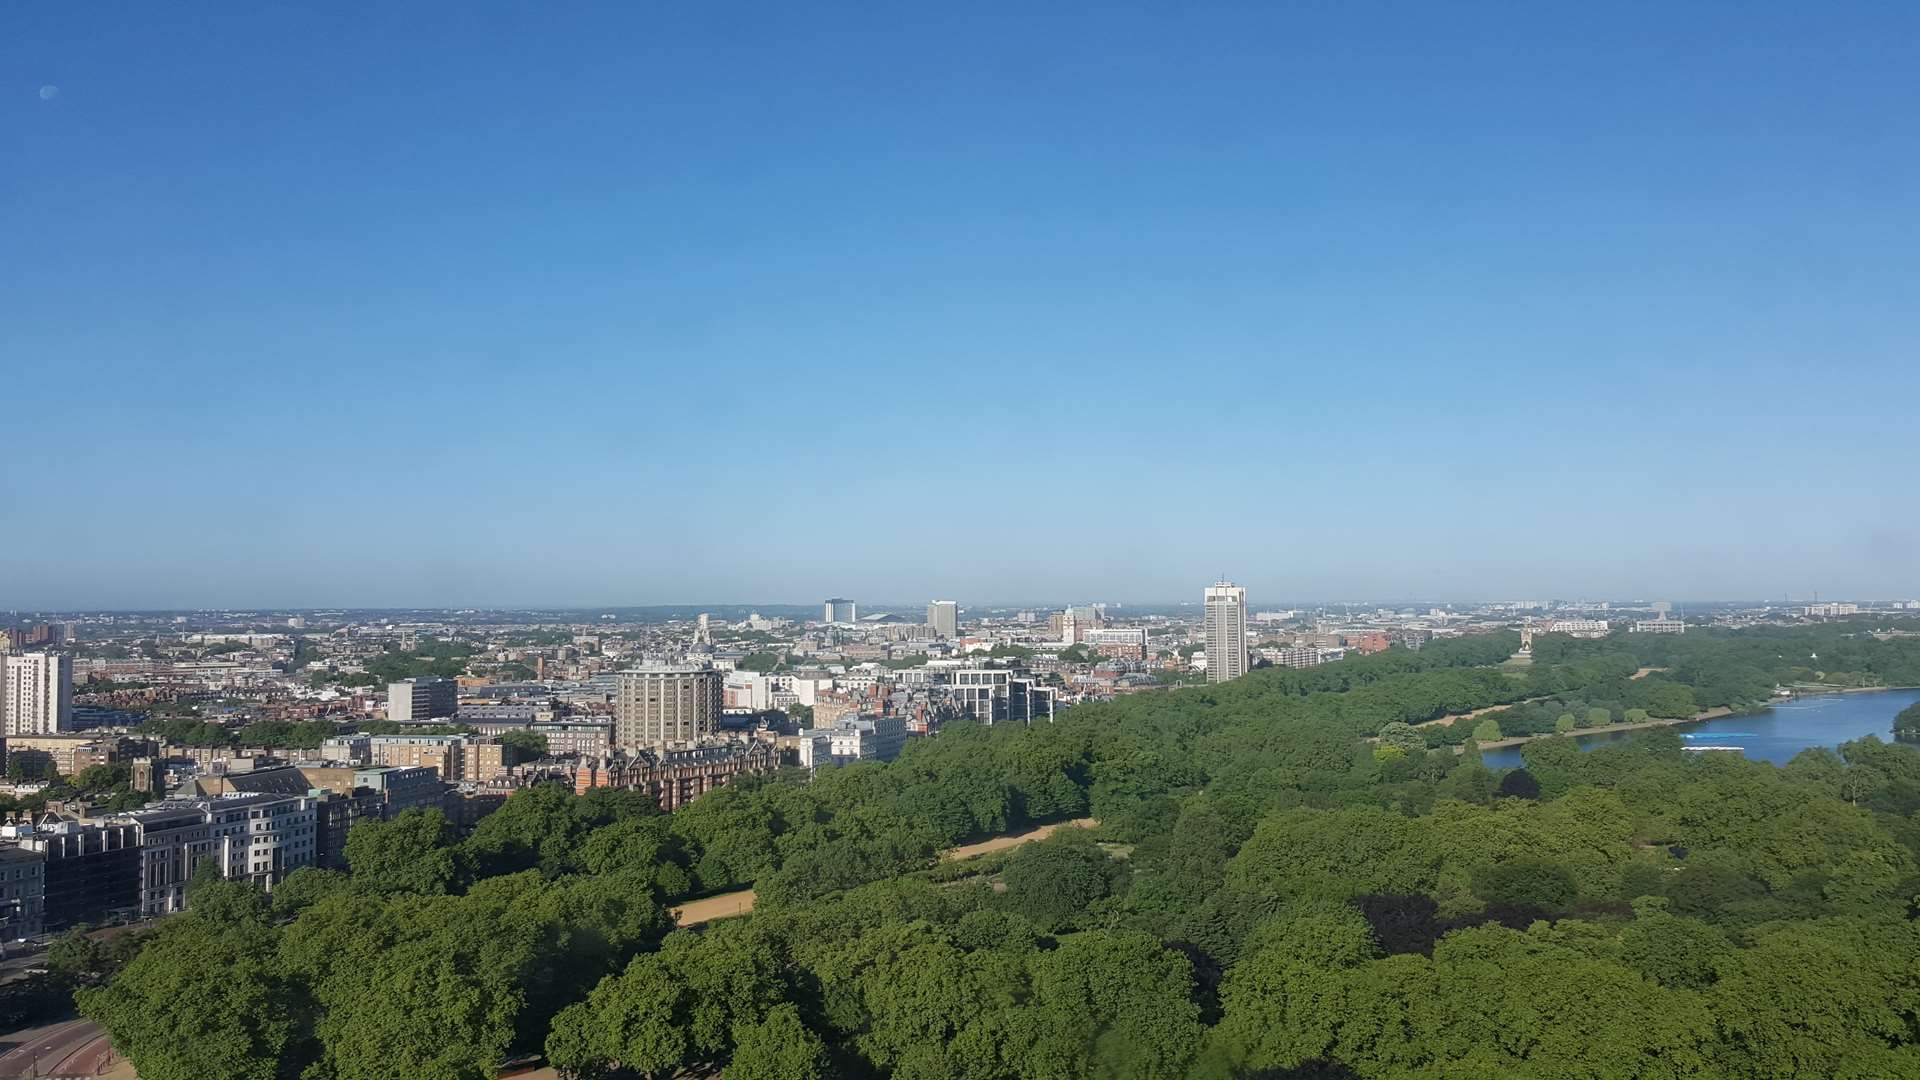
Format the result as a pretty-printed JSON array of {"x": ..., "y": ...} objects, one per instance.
[{"x": 810, "y": 611}]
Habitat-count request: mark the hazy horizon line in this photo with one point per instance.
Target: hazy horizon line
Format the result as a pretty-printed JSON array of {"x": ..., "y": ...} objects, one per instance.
[{"x": 892, "y": 605}]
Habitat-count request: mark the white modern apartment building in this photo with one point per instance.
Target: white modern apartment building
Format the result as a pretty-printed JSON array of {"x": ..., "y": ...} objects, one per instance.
[
  {"x": 1831, "y": 611},
  {"x": 1587, "y": 628},
  {"x": 1302, "y": 656},
  {"x": 248, "y": 837},
  {"x": 807, "y": 686},
  {"x": 980, "y": 692},
  {"x": 991, "y": 695},
  {"x": 1226, "y": 631},
  {"x": 37, "y": 696},
  {"x": 412, "y": 701},
  {"x": 748, "y": 690},
  {"x": 1660, "y": 626},
  {"x": 855, "y": 738}
]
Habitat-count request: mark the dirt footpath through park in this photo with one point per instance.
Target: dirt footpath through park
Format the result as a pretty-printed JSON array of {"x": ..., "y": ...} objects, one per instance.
[{"x": 727, "y": 905}]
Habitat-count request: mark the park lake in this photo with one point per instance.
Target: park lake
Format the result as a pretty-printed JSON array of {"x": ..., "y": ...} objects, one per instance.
[{"x": 1775, "y": 733}]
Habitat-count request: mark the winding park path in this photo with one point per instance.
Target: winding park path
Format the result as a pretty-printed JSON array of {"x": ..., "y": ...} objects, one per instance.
[
  {"x": 727, "y": 905},
  {"x": 1451, "y": 717},
  {"x": 1002, "y": 843}
]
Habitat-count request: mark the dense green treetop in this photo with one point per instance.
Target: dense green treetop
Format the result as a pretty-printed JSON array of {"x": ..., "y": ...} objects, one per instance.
[
  {"x": 1267, "y": 895},
  {"x": 531, "y": 744}
]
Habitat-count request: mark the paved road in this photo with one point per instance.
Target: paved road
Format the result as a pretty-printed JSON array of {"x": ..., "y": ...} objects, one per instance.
[
  {"x": 19, "y": 962},
  {"x": 45, "y": 1051},
  {"x": 91, "y": 1059}
]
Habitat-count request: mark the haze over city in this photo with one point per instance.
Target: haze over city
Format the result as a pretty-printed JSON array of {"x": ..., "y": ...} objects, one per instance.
[{"x": 488, "y": 306}]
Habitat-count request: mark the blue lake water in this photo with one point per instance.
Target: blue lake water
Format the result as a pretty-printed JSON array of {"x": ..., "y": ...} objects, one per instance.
[{"x": 1777, "y": 733}]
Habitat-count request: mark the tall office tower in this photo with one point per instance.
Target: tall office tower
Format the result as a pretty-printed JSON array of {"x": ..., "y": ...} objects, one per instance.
[
  {"x": 944, "y": 617},
  {"x": 661, "y": 704},
  {"x": 703, "y": 631},
  {"x": 39, "y": 693},
  {"x": 1226, "y": 631},
  {"x": 419, "y": 700},
  {"x": 838, "y": 610}
]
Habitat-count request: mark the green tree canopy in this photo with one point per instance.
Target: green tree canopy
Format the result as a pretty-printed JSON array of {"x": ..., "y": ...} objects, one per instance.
[{"x": 410, "y": 853}]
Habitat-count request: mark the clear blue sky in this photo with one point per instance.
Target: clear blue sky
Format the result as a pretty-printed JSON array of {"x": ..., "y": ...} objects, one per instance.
[{"x": 448, "y": 304}]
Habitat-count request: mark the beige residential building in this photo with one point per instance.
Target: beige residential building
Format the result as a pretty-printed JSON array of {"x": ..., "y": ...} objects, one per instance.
[
  {"x": 944, "y": 617},
  {"x": 444, "y": 754},
  {"x": 829, "y": 708},
  {"x": 453, "y": 757},
  {"x": 487, "y": 760},
  {"x": 1121, "y": 643},
  {"x": 68, "y": 754},
  {"x": 666, "y": 705}
]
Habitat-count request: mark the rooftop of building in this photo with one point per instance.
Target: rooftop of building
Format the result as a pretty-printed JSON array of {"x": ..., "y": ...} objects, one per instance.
[
  {"x": 668, "y": 669},
  {"x": 282, "y": 780},
  {"x": 187, "y": 807},
  {"x": 76, "y": 737}
]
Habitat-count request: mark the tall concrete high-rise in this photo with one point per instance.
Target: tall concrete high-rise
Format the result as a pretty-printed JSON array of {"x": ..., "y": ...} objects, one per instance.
[
  {"x": 38, "y": 696},
  {"x": 839, "y": 610},
  {"x": 659, "y": 705},
  {"x": 944, "y": 617},
  {"x": 419, "y": 700},
  {"x": 1226, "y": 631}
]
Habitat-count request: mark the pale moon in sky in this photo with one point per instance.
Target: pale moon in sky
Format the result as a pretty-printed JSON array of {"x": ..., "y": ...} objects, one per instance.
[{"x": 49, "y": 92}]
